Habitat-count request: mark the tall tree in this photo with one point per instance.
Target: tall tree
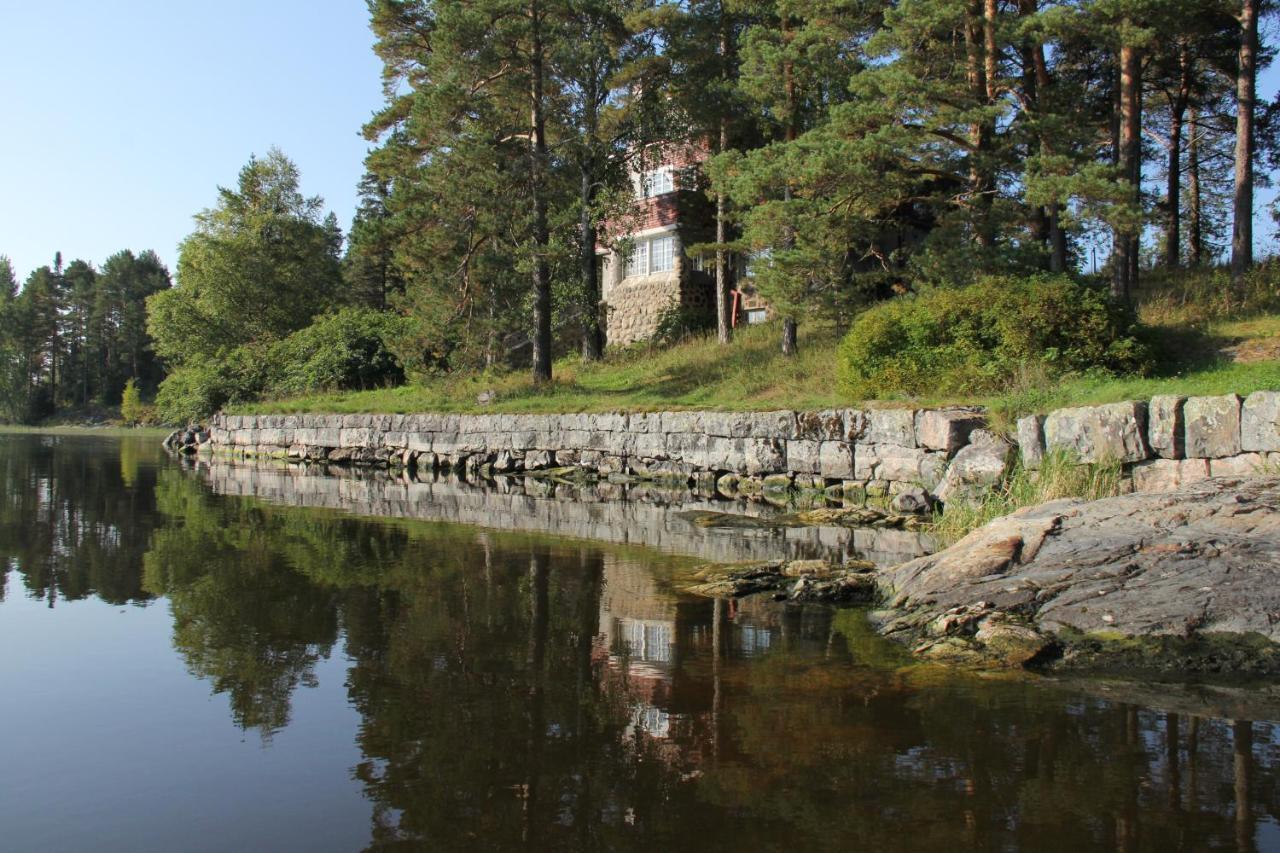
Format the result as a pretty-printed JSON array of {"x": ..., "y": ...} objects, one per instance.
[
  {"x": 259, "y": 265},
  {"x": 1128, "y": 157},
  {"x": 466, "y": 139},
  {"x": 1246, "y": 83},
  {"x": 80, "y": 282},
  {"x": 369, "y": 267},
  {"x": 604, "y": 129},
  {"x": 700, "y": 42}
]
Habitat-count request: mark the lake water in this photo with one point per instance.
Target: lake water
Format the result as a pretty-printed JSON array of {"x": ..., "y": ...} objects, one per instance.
[{"x": 182, "y": 668}]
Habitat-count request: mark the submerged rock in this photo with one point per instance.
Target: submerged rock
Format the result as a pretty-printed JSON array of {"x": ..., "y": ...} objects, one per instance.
[{"x": 795, "y": 580}]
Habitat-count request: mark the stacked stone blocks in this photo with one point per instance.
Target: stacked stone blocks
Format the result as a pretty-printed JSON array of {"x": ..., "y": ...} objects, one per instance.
[{"x": 1163, "y": 443}]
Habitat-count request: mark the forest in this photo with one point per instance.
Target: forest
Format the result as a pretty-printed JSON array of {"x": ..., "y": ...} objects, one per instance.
[
  {"x": 858, "y": 153},
  {"x": 76, "y": 335}
]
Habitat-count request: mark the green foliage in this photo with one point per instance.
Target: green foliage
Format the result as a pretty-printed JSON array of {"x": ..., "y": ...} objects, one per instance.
[
  {"x": 199, "y": 388},
  {"x": 343, "y": 351},
  {"x": 977, "y": 339},
  {"x": 1060, "y": 475},
  {"x": 260, "y": 264},
  {"x": 132, "y": 410}
]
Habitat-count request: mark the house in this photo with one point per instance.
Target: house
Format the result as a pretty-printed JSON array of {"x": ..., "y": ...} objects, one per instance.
[{"x": 657, "y": 279}]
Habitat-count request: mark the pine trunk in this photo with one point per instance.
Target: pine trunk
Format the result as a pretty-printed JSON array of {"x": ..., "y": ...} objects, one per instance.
[
  {"x": 1124, "y": 279},
  {"x": 592, "y": 335},
  {"x": 724, "y": 318},
  {"x": 1043, "y": 83},
  {"x": 724, "y": 321},
  {"x": 1173, "y": 189},
  {"x": 976, "y": 37},
  {"x": 541, "y": 272},
  {"x": 1195, "y": 233},
  {"x": 789, "y": 343},
  {"x": 1246, "y": 78},
  {"x": 1173, "y": 195}
]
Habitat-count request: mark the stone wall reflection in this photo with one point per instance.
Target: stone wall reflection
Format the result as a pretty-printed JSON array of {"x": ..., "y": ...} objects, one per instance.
[{"x": 640, "y": 514}]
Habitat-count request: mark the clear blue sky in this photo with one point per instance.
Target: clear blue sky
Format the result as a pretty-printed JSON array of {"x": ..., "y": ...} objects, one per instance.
[{"x": 118, "y": 120}]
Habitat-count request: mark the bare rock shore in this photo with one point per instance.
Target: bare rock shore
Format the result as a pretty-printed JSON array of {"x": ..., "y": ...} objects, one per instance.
[{"x": 1186, "y": 580}]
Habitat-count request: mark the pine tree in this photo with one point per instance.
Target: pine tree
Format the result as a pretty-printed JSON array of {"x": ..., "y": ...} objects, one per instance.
[{"x": 1246, "y": 83}]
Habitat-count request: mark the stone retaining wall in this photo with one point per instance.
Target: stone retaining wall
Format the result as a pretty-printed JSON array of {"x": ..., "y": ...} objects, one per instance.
[{"x": 1163, "y": 443}]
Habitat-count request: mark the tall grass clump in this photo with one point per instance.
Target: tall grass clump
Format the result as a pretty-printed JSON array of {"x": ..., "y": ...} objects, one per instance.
[{"x": 1060, "y": 475}]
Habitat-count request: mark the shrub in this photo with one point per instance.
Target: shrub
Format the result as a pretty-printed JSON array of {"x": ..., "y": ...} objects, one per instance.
[
  {"x": 980, "y": 338},
  {"x": 132, "y": 410},
  {"x": 677, "y": 323},
  {"x": 346, "y": 350},
  {"x": 198, "y": 389},
  {"x": 342, "y": 351}
]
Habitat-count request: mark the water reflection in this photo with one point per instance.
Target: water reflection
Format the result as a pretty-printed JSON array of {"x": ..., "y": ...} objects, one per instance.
[
  {"x": 517, "y": 691},
  {"x": 647, "y": 514}
]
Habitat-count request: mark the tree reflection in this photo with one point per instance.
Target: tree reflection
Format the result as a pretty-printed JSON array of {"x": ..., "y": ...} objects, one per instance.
[{"x": 74, "y": 521}]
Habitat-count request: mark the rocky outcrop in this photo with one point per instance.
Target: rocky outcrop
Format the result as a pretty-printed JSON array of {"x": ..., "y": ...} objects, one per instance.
[
  {"x": 187, "y": 441},
  {"x": 1192, "y": 571}
]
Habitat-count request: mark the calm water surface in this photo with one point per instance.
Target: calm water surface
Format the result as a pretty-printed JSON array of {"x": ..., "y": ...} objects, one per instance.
[{"x": 181, "y": 670}]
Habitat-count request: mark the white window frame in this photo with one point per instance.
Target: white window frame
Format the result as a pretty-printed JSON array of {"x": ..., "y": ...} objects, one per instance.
[
  {"x": 637, "y": 263},
  {"x": 662, "y": 254},
  {"x": 658, "y": 182},
  {"x": 644, "y": 260}
]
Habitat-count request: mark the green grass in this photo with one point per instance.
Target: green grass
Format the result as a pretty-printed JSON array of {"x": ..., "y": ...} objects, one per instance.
[
  {"x": 103, "y": 431},
  {"x": 1059, "y": 476},
  {"x": 752, "y": 374}
]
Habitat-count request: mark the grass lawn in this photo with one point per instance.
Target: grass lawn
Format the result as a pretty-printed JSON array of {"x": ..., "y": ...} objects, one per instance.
[
  {"x": 1242, "y": 356},
  {"x": 103, "y": 431}
]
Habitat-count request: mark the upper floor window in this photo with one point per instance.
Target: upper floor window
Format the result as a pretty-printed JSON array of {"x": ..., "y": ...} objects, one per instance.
[{"x": 658, "y": 182}]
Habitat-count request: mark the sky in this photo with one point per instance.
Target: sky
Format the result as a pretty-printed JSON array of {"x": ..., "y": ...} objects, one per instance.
[{"x": 120, "y": 118}]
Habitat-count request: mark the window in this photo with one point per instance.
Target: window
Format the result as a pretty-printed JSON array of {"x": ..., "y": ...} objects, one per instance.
[
  {"x": 757, "y": 315},
  {"x": 662, "y": 255},
  {"x": 638, "y": 262},
  {"x": 755, "y": 262},
  {"x": 658, "y": 182},
  {"x": 654, "y": 255}
]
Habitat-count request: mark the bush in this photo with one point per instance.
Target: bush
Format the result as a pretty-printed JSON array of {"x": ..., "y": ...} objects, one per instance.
[
  {"x": 343, "y": 351},
  {"x": 979, "y": 339},
  {"x": 132, "y": 410},
  {"x": 197, "y": 390}
]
